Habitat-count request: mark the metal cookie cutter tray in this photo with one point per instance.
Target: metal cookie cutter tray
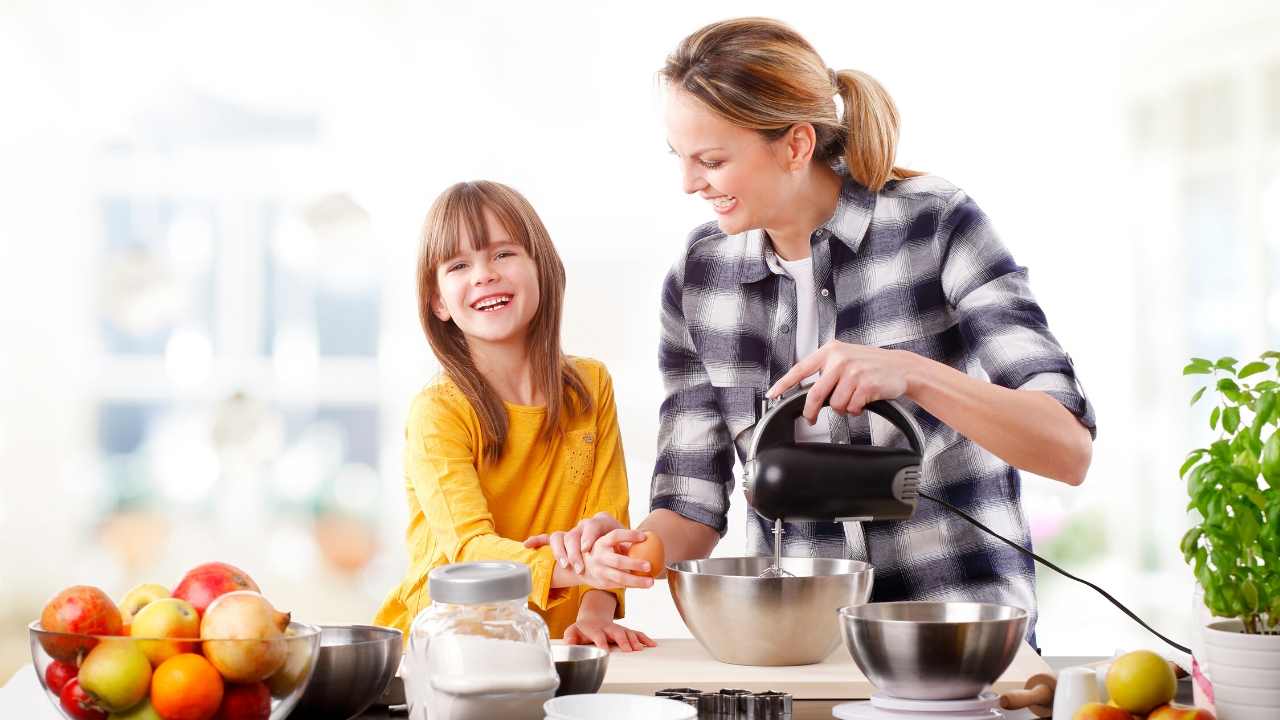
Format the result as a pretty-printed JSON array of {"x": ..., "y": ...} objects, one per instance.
[{"x": 733, "y": 704}]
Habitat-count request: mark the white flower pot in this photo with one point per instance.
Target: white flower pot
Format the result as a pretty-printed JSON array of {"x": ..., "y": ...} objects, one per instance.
[{"x": 1245, "y": 671}]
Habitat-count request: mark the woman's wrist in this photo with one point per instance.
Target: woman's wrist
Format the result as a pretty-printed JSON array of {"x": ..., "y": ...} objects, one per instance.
[{"x": 916, "y": 371}]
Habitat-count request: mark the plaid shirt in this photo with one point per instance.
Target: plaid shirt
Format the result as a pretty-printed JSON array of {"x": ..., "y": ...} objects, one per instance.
[{"x": 915, "y": 267}]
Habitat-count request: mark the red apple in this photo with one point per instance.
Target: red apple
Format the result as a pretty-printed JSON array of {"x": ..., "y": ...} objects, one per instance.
[
  {"x": 1174, "y": 711},
  {"x": 205, "y": 583},
  {"x": 250, "y": 701},
  {"x": 79, "y": 609},
  {"x": 243, "y": 636},
  {"x": 77, "y": 703},
  {"x": 58, "y": 674},
  {"x": 1098, "y": 711}
]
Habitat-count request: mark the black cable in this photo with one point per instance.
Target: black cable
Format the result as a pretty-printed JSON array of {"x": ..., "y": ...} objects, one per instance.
[{"x": 1048, "y": 564}]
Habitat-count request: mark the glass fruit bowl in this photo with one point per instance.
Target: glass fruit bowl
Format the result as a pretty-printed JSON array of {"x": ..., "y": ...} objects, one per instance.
[{"x": 88, "y": 677}]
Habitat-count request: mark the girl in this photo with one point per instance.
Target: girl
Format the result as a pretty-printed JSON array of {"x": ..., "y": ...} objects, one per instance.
[
  {"x": 828, "y": 262},
  {"x": 513, "y": 438}
]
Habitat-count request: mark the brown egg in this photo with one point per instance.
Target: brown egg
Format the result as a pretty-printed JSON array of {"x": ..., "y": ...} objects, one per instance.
[{"x": 651, "y": 551}]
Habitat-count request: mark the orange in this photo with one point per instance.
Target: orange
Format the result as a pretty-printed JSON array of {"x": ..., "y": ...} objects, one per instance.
[{"x": 186, "y": 687}]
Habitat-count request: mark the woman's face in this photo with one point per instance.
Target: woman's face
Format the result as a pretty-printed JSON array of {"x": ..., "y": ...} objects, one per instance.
[
  {"x": 491, "y": 293},
  {"x": 744, "y": 177}
]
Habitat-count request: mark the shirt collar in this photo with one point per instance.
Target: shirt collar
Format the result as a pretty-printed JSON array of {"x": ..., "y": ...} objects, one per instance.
[{"x": 848, "y": 223}]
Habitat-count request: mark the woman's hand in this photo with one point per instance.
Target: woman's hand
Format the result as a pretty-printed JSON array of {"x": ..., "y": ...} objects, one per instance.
[
  {"x": 851, "y": 375},
  {"x": 601, "y": 631}
]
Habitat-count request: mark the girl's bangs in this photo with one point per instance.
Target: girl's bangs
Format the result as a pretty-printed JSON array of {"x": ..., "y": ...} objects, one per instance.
[{"x": 462, "y": 215}]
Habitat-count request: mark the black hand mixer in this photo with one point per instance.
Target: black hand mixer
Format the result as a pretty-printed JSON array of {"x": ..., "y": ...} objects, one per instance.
[
  {"x": 788, "y": 480},
  {"x": 800, "y": 481}
]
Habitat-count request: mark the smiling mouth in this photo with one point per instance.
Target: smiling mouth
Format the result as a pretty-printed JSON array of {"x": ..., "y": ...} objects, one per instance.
[
  {"x": 723, "y": 201},
  {"x": 491, "y": 303}
]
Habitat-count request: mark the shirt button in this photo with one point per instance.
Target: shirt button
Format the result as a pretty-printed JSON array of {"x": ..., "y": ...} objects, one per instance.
[
  {"x": 825, "y": 292},
  {"x": 786, "y": 329}
]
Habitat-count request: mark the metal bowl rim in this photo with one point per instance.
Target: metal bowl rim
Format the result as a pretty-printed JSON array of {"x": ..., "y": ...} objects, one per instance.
[
  {"x": 861, "y": 567},
  {"x": 387, "y": 634},
  {"x": 595, "y": 653},
  {"x": 847, "y": 612}
]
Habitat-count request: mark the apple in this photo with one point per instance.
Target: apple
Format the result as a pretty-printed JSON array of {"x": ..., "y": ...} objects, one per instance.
[
  {"x": 140, "y": 597},
  {"x": 116, "y": 674},
  {"x": 297, "y": 665},
  {"x": 250, "y": 701},
  {"x": 82, "y": 610},
  {"x": 1099, "y": 711},
  {"x": 142, "y": 711},
  {"x": 1141, "y": 681},
  {"x": 1174, "y": 711},
  {"x": 205, "y": 583},
  {"x": 166, "y": 618},
  {"x": 231, "y": 621},
  {"x": 77, "y": 703},
  {"x": 58, "y": 674}
]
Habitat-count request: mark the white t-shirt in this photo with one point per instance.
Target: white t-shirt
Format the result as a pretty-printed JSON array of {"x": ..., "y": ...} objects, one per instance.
[{"x": 806, "y": 329}]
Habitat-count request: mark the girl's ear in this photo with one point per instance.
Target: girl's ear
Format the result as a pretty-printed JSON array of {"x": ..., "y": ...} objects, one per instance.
[
  {"x": 438, "y": 309},
  {"x": 799, "y": 144}
]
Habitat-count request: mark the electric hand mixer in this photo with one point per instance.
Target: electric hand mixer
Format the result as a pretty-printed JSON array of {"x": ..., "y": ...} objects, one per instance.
[{"x": 787, "y": 480}]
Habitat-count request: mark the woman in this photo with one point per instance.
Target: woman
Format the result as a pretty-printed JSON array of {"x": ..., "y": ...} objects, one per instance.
[{"x": 828, "y": 263}]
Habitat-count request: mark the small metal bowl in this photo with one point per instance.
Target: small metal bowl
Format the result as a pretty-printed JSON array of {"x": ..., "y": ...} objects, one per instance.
[
  {"x": 933, "y": 650},
  {"x": 581, "y": 668},
  {"x": 355, "y": 664}
]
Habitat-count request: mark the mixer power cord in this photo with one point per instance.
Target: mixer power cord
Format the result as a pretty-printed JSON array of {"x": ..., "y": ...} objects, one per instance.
[{"x": 1050, "y": 565}]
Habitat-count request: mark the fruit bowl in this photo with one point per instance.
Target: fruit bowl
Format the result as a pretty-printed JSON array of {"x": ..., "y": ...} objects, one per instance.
[{"x": 88, "y": 677}]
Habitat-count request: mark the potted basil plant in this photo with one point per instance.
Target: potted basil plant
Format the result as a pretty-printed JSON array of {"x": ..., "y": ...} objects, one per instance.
[{"x": 1234, "y": 487}]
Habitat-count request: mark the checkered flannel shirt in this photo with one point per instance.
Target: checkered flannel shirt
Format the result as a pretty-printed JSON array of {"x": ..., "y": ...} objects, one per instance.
[{"x": 915, "y": 267}]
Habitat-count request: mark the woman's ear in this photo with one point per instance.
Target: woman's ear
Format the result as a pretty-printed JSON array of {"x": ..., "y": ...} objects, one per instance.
[
  {"x": 438, "y": 309},
  {"x": 799, "y": 143}
]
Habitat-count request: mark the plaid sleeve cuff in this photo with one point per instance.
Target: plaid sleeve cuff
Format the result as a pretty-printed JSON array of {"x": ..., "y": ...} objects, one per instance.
[
  {"x": 1066, "y": 390},
  {"x": 703, "y": 501}
]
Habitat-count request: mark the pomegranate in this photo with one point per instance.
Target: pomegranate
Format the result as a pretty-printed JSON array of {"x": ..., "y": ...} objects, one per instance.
[
  {"x": 79, "y": 609},
  {"x": 205, "y": 583},
  {"x": 243, "y": 636}
]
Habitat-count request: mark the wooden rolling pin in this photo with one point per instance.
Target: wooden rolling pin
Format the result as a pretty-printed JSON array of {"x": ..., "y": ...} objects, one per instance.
[{"x": 1037, "y": 694}]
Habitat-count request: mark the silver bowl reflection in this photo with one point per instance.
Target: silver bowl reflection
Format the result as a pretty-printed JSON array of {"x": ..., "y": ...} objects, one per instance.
[
  {"x": 581, "y": 668},
  {"x": 933, "y": 650},
  {"x": 744, "y": 619},
  {"x": 355, "y": 664}
]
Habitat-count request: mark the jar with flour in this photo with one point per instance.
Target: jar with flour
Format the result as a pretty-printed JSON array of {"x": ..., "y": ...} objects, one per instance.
[{"x": 478, "y": 651}]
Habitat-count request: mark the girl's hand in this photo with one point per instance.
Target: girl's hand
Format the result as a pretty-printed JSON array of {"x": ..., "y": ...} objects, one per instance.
[
  {"x": 851, "y": 375},
  {"x": 603, "y": 631}
]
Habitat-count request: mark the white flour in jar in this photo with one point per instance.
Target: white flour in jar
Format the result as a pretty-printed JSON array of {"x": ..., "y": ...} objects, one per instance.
[{"x": 473, "y": 678}]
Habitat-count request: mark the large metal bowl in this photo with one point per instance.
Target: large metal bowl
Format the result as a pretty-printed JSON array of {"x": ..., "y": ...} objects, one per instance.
[
  {"x": 744, "y": 619},
  {"x": 355, "y": 664},
  {"x": 933, "y": 650}
]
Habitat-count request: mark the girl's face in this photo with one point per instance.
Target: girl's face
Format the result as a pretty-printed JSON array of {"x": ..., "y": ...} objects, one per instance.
[
  {"x": 746, "y": 179},
  {"x": 491, "y": 294}
]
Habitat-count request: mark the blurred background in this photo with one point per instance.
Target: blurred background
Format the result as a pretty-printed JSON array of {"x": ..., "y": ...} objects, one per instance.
[{"x": 209, "y": 221}]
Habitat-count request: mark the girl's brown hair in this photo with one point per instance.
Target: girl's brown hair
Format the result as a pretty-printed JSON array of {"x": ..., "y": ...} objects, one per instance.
[
  {"x": 760, "y": 74},
  {"x": 458, "y": 215}
]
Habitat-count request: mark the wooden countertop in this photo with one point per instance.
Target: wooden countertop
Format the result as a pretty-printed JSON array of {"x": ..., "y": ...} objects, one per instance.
[{"x": 684, "y": 663}]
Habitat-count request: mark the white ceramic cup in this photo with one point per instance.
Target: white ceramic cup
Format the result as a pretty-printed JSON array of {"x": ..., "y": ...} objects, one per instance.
[{"x": 1076, "y": 686}]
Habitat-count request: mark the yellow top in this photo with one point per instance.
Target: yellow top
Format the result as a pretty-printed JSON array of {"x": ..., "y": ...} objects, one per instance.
[{"x": 463, "y": 507}]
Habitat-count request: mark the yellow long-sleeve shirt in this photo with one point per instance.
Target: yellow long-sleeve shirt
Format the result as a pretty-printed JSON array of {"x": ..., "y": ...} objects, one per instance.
[{"x": 463, "y": 507}]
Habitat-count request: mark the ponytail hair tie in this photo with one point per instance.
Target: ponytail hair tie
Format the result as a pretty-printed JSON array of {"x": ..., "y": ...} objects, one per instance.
[{"x": 835, "y": 79}]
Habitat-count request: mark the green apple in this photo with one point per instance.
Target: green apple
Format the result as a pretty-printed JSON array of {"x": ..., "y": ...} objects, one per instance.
[
  {"x": 141, "y": 711},
  {"x": 140, "y": 597},
  {"x": 165, "y": 618},
  {"x": 116, "y": 674}
]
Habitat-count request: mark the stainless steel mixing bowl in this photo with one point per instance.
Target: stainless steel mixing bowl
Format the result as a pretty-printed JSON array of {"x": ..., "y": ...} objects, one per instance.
[
  {"x": 744, "y": 619},
  {"x": 581, "y": 668},
  {"x": 355, "y": 664},
  {"x": 933, "y": 650}
]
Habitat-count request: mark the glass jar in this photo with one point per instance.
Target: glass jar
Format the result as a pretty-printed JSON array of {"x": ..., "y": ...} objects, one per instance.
[{"x": 478, "y": 651}]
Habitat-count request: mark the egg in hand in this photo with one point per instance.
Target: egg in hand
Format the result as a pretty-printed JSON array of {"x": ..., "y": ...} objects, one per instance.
[{"x": 649, "y": 550}]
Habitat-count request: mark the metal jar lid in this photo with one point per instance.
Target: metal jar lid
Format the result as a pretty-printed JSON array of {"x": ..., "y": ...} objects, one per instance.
[{"x": 480, "y": 582}]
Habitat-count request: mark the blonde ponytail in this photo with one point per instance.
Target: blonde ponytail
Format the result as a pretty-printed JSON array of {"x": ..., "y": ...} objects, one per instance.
[
  {"x": 760, "y": 74},
  {"x": 871, "y": 130}
]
